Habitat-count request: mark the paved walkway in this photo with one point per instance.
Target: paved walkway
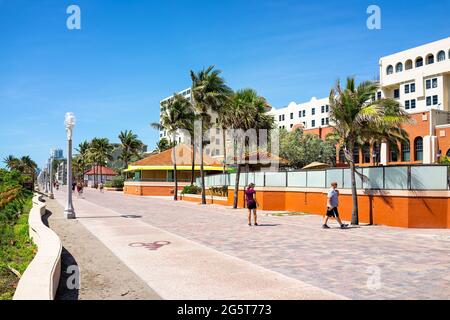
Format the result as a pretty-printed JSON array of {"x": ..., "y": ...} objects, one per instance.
[
  {"x": 102, "y": 275},
  {"x": 286, "y": 257}
]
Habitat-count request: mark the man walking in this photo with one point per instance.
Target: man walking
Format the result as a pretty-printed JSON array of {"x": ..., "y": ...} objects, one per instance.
[{"x": 332, "y": 207}]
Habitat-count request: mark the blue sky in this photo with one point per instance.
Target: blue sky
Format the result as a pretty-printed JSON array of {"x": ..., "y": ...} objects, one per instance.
[{"x": 130, "y": 54}]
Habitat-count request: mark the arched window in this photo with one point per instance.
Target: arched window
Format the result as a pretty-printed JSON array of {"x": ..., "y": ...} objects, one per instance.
[
  {"x": 430, "y": 59},
  {"x": 419, "y": 62},
  {"x": 441, "y": 56},
  {"x": 399, "y": 67},
  {"x": 390, "y": 70},
  {"x": 366, "y": 153},
  {"x": 418, "y": 149},
  {"x": 393, "y": 153},
  {"x": 408, "y": 65},
  {"x": 406, "y": 152}
]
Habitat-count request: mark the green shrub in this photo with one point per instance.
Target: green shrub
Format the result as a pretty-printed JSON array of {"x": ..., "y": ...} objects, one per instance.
[
  {"x": 108, "y": 184},
  {"x": 117, "y": 182},
  {"x": 192, "y": 189}
]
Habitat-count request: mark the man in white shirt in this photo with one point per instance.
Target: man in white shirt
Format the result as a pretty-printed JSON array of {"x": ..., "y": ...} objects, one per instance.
[{"x": 332, "y": 207}]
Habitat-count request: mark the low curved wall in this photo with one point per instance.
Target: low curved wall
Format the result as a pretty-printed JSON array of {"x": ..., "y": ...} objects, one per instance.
[{"x": 40, "y": 280}]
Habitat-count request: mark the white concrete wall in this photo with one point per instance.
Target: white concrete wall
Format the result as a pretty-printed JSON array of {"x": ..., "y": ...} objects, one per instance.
[{"x": 40, "y": 280}]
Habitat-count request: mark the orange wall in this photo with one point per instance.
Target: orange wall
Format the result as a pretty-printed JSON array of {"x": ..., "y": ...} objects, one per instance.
[
  {"x": 395, "y": 211},
  {"x": 149, "y": 190}
]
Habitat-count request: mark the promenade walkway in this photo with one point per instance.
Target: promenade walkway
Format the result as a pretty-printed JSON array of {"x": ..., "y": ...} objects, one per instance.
[{"x": 211, "y": 253}]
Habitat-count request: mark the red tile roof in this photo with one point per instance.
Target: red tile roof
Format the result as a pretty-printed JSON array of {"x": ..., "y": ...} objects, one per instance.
[
  {"x": 104, "y": 170},
  {"x": 184, "y": 158}
]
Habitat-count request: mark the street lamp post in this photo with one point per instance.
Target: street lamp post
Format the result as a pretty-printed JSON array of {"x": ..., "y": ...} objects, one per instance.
[
  {"x": 45, "y": 181},
  {"x": 69, "y": 123},
  {"x": 51, "y": 195}
]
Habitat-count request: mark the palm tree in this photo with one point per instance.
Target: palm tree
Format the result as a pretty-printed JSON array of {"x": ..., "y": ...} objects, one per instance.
[
  {"x": 131, "y": 146},
  {"x": 209, "y": 93},
  {"x": 84, "y": 158},
  {"x": 101, "y": 151},
  {"x": 246, "y": 111},
  {"x": 178, "y": 115},
  {"x": 29, "y": 168},
  {"x": 356, "y": 118},
  {"x": 162, "y": 144},
  {"x": 12, "y": 162}
]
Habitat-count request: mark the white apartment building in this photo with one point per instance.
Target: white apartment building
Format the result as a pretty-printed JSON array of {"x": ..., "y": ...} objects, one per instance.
[
  {"x": 419, "y": 79},
  {"x": 215, "y": 147},
  {"x": 309, "y": 115}
]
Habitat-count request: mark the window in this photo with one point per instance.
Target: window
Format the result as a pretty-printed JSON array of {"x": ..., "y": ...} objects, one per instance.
[
  {"x": 323, "y": 109},
  {"x": 435, "y": 100},
  {"x": 356, "y": 155},
  {"x": 418, "y": 149},
  {"x": 323, "y": 121},
  {"x": 428, "y": 101},
  {"x": 408, "y": 65},
  {"x": 407, "y": 105},
  {"x": 430, "y": 59},
  {"x": 313, "y": 111},
  {"x": 283, "y": 117},
  {"x": 413, "y": 87},
  {"x": 342, "y": 156},
  {"x": 441, "y": 56},
  {"x": 406, "y": 153},
  {"x": 292, "y": 125},
  {"x": 292, "y": 116},
  {"x": 313, "y": 123},
  {"x": 328, "y": 108},
  {"x": 389, "y": 70},
  {"x": 217, "y": 141},
  {"x": 393, "y": 153},
  {"x": 413, "y": 103},
  {"x": 279, "y": 117},
  {"x": 327, "y": 121},
  {"x": 217, "y": 152},
  {"x": 434, "y": 83},
  {"x": 419, "y": 62},
  {"x": 396, "y": 93},
  {"x": 299, "y": 114},
  {"x": 304, "y": 113},
  {"x": 379, "y": 95},
  {"x": 428, "y": 84},
  {"x": 407, "y": 88},
  {"x": 399, "y": 67},
  {"x": 366, "y": 153}
]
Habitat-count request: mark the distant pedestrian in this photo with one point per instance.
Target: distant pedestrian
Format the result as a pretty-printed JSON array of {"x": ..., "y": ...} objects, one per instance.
[
  {"x": 74, "y": 185},
  {"x": 101, "y": 187},
  {"x": 332, "y": 207},
  {"x": 252, "y": 204},
  {"x": 80, "y": 188}
]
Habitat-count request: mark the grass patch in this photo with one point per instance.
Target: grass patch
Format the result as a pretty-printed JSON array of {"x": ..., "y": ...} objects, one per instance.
[{"x": 16, "y": 249}]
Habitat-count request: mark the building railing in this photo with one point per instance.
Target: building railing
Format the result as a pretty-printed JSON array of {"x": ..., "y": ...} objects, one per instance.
[
  {"x": 403, "y": 177},
  {"x": 157, "y": 180}
]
